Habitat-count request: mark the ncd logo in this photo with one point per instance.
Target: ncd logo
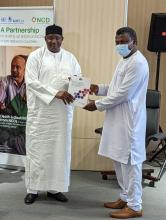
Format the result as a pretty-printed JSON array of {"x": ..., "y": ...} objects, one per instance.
[{"x": 40, "y": 20}]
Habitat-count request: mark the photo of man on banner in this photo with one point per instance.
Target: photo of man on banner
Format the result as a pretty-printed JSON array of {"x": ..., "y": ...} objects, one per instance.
[{"x": 13, "y": 108}]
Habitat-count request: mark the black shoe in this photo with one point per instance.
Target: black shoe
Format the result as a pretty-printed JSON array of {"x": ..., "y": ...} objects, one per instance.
[
  {"x": 30, "y": 198},
  {"x": 57, "y": 196}
]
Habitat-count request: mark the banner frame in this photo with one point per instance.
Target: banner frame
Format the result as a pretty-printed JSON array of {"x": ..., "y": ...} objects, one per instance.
[{"x": 8, "y": 159}]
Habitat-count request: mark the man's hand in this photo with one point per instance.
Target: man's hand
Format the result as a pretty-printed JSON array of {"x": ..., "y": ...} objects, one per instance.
[
  {"x": 65, "y": 96},
  {"x": 90, "y": 106},
  {"x": 94, "y": 89}
]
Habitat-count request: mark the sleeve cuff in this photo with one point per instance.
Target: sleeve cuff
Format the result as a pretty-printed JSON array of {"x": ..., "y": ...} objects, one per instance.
[
  {"x": 99, "y": 106},
  {"x": 53, "y": 93}
]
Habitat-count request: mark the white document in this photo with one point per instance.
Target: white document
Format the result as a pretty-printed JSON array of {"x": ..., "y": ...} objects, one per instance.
[{"x": 79, "y": 88}]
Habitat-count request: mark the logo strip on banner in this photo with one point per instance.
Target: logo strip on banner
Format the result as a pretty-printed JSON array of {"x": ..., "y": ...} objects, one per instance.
[{"x": 24, "y": 26}]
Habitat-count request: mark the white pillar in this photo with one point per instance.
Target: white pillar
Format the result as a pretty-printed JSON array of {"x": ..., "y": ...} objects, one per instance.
[{"x": 54, "y": 19}]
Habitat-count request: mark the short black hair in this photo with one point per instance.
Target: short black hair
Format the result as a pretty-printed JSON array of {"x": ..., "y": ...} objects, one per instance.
[{"x": 128, "y": 30}]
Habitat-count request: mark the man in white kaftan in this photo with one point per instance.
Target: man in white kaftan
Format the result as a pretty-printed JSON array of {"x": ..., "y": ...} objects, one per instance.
[
  {"x": 123, "y": 135},
  {"x": 49, "y": 119}
]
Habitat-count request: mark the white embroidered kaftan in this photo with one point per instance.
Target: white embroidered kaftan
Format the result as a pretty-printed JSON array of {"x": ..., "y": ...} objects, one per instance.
[{"x": 49, "y": 120}]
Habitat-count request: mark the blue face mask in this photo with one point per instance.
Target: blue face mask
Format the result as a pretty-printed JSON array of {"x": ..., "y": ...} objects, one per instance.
[{"x": 123, "y": 50}]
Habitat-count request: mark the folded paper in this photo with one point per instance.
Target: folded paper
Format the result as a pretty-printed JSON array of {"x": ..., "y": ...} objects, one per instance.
[{"x": 79, "y": 88}]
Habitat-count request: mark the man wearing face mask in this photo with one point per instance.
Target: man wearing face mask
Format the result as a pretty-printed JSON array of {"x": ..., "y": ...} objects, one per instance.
[{"x": 123, "y": 135}]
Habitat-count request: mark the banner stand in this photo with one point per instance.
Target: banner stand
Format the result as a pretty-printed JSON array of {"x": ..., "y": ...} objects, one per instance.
[{"x": 22, "y": 30}]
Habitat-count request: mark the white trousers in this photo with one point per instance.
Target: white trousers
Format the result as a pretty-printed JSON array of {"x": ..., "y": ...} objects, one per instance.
[
  {"x": 36, "y": 191},
  {"x": 130, "y": 181}
]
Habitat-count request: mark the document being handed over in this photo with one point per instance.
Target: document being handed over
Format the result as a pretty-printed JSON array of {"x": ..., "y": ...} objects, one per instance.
[{"x": 79, "y": 88}]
